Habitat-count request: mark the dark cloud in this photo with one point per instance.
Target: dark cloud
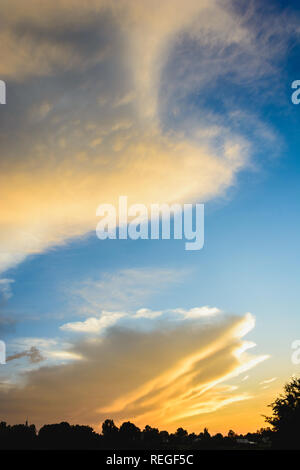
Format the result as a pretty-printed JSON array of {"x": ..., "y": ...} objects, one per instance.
[{"x": 33, "y": 354}]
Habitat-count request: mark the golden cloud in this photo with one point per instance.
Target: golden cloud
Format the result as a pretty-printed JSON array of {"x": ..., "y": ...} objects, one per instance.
[
  {"x": 163, "y": 375},
  {"x": 86, "y": 115}
]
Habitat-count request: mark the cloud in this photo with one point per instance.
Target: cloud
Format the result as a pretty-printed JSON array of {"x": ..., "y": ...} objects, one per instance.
[
  {"x": 147, "y": 313},
  {"x": 92, "y": 324},
  {"x": 99, "y": 97},
  {"x": 33, "y": 354},
  {"x": 53, "y": 204},
  {"x": 268, "y": 381},
  {"x": 50, "y": 350},
  {"x": 102, "y": 322},
  {"x": 124, "y": 289},
  {"x": 5, "y": 288},
  {"x": 198, "y": 312},
  {"x": 160, "y": 376},
  {"x": 245, "y": 378}
]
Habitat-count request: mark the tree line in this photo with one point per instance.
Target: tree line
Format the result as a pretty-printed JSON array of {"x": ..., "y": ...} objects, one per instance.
[{"x": 283, "y": 433}]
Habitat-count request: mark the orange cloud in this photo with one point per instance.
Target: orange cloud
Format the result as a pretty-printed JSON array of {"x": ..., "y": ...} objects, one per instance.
[{"x": 165, "y": 375}]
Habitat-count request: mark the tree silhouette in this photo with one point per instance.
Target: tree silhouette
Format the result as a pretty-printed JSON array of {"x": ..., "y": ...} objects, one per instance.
[
  {"x": 152, "y": 437},
  {"x": 110, "y": 433},
  {"x": 231, "y": 434},
  {"x": 23, "y": 435},
  {"x": 65, "y": 436},
  {"x": 180, "y": 438},
  {"x": 109, "y": 428},
  {"x": 286, "y": 416},
  {"x": 130, "y": 435}
]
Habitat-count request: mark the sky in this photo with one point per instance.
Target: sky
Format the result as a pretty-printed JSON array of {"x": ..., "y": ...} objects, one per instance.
[{"x": 163, "y": 102}]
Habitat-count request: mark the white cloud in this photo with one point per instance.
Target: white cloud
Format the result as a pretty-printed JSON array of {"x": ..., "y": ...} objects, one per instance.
[
  {"x": 268, "y": 381},
  {"x": 198, "y": 312},
  {"x": 147, "y": 313},
  {"x": 5, "y": 288},
  {"x": 100, "y": 323},
  {"x": 92, "y": 324}
]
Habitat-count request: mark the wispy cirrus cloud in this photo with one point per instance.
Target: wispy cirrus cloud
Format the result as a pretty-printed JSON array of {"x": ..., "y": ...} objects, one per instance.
[
  {"x": 122, "y": 289},
  {"x": 5, "y": 288},
  {"x": 100, "y": 98},
  {"x": 268, "y": 381}
]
